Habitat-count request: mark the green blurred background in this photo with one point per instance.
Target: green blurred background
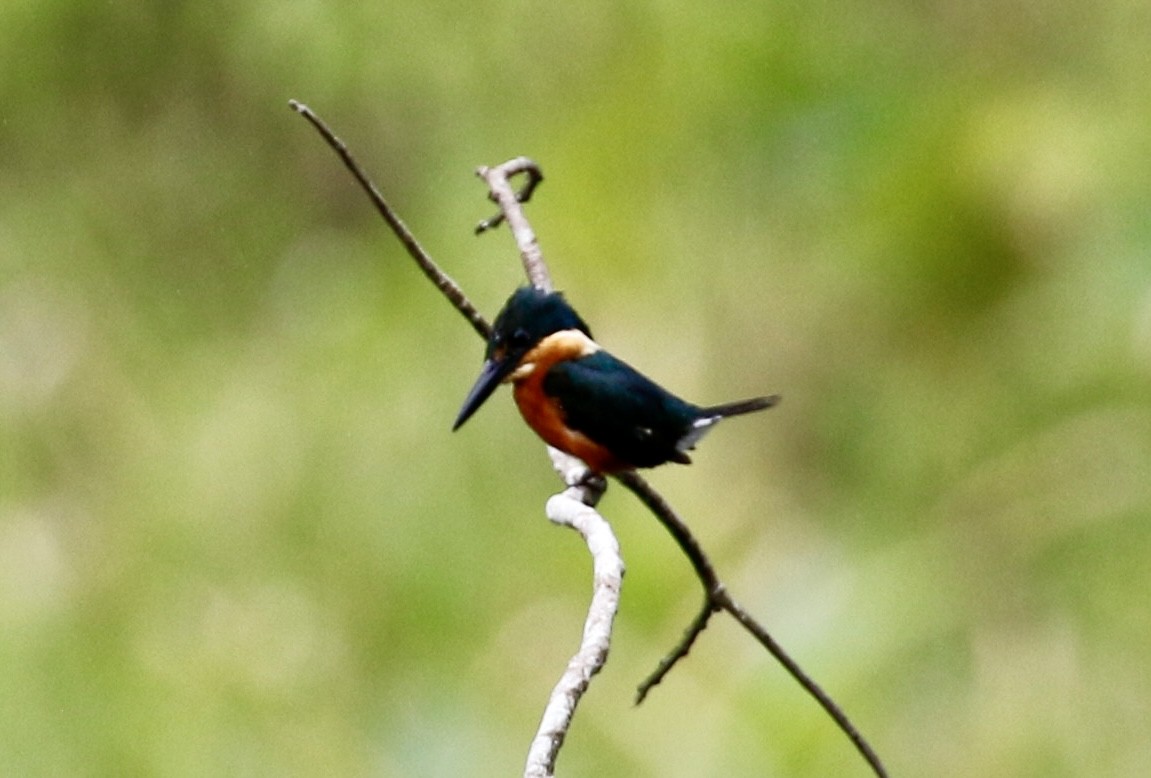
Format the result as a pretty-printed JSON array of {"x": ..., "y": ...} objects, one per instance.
[{"x": 237, "y": 537}]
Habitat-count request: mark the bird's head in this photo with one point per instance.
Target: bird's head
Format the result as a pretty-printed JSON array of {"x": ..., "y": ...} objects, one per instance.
[{"x": 528, "y": 317}]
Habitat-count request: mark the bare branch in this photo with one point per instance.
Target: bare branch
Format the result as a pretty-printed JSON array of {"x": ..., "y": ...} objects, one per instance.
[
  {"x": 718, "y": 598},
  {"x": 442, "y": 281},
  {"x": 574, "y": 508},
  {"x": 510, "y": 202},
  {"x": 673, "y": 524},
  {"x": 725, "y": 601},
  {"x": 575, "y": 505}
]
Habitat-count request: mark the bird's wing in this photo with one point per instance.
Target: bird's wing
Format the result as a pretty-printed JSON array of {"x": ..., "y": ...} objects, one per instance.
[{"x": 614, "y": 405}]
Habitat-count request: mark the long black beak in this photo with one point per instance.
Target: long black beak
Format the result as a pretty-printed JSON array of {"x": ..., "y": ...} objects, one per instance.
[{"x": 491, "y": 376}]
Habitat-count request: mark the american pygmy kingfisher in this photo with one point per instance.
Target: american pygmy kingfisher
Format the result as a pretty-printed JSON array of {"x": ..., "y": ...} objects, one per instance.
[{"x": 582, "y": 400}]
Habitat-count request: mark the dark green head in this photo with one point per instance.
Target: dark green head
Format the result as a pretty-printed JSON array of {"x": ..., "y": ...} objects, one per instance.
[{"x": 529, "y": 316}]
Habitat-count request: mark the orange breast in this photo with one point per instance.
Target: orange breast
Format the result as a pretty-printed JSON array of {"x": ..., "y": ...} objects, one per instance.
[{"x": 544, "y": 414}]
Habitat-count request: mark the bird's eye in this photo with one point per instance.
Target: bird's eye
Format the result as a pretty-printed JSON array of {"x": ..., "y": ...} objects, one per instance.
[{"x": 520, "y": 338}]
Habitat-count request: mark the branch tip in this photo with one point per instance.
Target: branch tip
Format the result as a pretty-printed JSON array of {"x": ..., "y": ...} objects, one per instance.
[
  {"x": 442, "y": 281},
  {"x": 511, "y": 201}
]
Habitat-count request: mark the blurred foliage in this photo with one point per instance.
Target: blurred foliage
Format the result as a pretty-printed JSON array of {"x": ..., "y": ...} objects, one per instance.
[{"x": 236, "y": 537}]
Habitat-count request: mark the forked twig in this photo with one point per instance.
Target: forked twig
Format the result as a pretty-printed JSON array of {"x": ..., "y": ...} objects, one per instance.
[
  {"x": 498, "y": 179},
  {"x": 716, "y": 596},
  {"x": 534, "y": 178}
]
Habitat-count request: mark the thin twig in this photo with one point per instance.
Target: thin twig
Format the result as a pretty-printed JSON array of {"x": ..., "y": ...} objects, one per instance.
[
  {"x": 671, "y": 521},
  {"x": 679, "y": 651},
  {"x": 725, "y": 601},
  {"x": 718, "y": 598},
  {"x": 442, "y": 281}
]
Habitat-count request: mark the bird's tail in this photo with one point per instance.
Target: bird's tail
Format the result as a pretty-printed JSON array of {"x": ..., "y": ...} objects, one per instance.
[
  {"x": 709, "y": 417},
  {"x": 737, "y": 408}
]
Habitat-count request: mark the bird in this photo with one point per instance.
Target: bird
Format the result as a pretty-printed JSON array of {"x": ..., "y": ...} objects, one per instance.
[{"x": 582, "y": 400}]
